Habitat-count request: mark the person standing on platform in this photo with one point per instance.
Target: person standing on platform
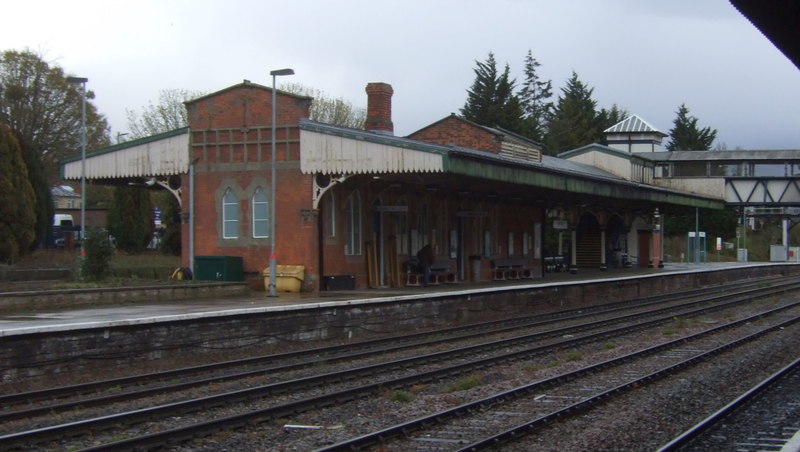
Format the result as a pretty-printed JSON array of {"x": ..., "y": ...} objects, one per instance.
[{"x": 425, "y": 260}]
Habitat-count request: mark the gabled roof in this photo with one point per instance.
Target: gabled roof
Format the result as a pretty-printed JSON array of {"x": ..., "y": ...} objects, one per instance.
[
  {"x": 634, "y": 124},
  {"x": 497, "y": 131},
  {"x": 245, "y": 84}
]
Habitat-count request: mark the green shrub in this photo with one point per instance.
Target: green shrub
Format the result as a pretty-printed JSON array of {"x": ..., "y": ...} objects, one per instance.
[
  {"x": 402, "y": 396},
  {"x": 96, "y": 265},
  {"x": 464, "y": 384}
]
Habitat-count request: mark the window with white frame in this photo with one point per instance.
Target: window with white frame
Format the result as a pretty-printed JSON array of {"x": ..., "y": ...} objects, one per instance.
[
  {"x": 352, "y": 213},
  {"x": 230, "y": 215},
  {"x": 261, "y": 213}
]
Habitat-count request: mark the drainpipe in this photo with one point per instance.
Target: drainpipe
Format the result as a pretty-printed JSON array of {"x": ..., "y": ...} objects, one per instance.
[
  {"x": 603, "y": 250},
  {"x": 663, "y": 237},
  {"x": 786, "y": 238},
  {"x": 191, "y": 216},
  {"x": 574, "y": 258}
]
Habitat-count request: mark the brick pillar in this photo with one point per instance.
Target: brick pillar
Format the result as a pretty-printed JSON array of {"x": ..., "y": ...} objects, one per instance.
[{"x": 379, "y": 108}]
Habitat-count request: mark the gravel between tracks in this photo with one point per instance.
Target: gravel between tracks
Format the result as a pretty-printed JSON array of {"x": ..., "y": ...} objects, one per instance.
[{"x": 641, "y": 420}]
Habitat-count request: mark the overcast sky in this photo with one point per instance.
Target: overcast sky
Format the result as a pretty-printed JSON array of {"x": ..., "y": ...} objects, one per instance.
[{"x": 647, "y": 56}]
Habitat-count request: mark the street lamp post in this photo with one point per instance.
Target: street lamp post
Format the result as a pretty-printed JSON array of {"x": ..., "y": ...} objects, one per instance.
[
  {"x": 82, "y": 81},
  {"x": 272, "y": 254}
]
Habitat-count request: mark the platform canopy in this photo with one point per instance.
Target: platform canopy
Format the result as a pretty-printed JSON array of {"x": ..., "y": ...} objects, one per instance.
[
  {"x": 332, "y": 150},
  {"x": 161, "y": 156}
]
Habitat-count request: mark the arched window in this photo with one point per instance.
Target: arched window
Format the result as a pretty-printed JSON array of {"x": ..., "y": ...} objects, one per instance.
[
  {"x": 230, "y": 215},
  {"x": 352, "y": 212},
  {"x": 260, "y": 214}
]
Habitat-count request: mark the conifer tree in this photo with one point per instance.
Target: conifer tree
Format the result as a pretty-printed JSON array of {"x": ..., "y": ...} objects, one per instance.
[
  {"x": 607, "y": 118},
  {"x": 41, "y": 187},
  {"x": 17, "y": 199},
  {"x": 491, "y": 100},
  {"x": 685, "y": 135},
  {"x": 130, "y": 218},
  {"x": 574, "y": 122},
  {"x": 534, "y": 97}
]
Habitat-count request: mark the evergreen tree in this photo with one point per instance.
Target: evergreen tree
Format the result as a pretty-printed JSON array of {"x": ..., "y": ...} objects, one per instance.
[
  {"x": 714, "y": 222},
  {"x": 491, "y": 100},
  {"x": 97, "y": 265},
  {"x": 534, "y": 97},
  {"x": 685, "y": 135},
  {"x": 574, "y": 122},
  {"x": 41, "y": 188},
  {"x": 17, "y": 199},
  {"x": 130, "y": 219},
  {"x": 607, "y": 118}
]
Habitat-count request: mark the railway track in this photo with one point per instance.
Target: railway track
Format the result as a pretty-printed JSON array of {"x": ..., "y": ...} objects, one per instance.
[
  {"x": 766, "y": 417},
  {"x": 56, "y": 399},
  {"x": 507, "y": 416},
  {"x": 333, "y": 396}
]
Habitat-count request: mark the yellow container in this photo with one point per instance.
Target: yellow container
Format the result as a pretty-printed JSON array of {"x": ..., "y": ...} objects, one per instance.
[{"x": 288, "y": 278}]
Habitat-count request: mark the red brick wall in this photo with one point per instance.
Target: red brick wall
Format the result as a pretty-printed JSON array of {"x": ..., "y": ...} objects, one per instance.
[
  {"x": 455, "y": 130},
  {"x": 231, "y": 140},
  {"x": 379, "y": 107}
]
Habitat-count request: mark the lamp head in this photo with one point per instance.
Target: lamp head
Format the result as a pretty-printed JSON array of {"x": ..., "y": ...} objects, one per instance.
[{"x": 278, "y": 72}]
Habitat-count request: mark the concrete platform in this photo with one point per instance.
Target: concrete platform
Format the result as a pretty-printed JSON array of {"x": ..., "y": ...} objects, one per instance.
[{"x": 44, "y": 321}]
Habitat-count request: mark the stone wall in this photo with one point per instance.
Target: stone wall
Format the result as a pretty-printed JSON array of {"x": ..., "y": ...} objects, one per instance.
[{"x": 96, "y": 348}]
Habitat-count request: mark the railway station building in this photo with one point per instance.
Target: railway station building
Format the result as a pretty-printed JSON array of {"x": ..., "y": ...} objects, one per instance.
[{"x": 353, "y": 207}]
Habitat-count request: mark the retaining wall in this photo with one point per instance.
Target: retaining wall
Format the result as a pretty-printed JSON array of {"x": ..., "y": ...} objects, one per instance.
[{"x": 94, "y": 349}]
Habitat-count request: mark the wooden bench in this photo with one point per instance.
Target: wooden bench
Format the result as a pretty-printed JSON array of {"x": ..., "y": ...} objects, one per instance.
[{"x": 510, "y": 269}]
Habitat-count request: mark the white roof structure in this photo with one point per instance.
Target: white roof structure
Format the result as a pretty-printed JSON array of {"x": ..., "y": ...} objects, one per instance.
[
  {"x": 165, "y": 154},
  {"x": 633, "y": 124}
]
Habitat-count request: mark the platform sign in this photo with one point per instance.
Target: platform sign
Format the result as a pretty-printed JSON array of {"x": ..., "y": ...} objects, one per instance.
[
  {"x": 719, "y": 243},
  {"x": 560, "y": 224}
]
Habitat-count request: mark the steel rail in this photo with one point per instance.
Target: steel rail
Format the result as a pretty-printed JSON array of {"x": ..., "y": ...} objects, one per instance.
[
  {"x": 204, "y": 428},
  {"x": 714, "y": 419},
  {"x": 530, "y": 322},
  {"x": 323, "y": 353},
  {"x": 384, "y": 435},
  {"x": 584, "y": 405}
]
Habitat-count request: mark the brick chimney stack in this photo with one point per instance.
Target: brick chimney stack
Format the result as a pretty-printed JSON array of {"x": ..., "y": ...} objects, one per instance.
[{"x": 379, "y": 108}]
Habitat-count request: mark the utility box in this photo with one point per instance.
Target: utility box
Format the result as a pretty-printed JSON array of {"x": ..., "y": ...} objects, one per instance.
[
  {"x": 777, "y": 253},
  {"x": 339, "y": 282},
  {"x": 742, "y": 255},
  {"x": 288, "y": 278},
  {"x": 218, "y": 268}
]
